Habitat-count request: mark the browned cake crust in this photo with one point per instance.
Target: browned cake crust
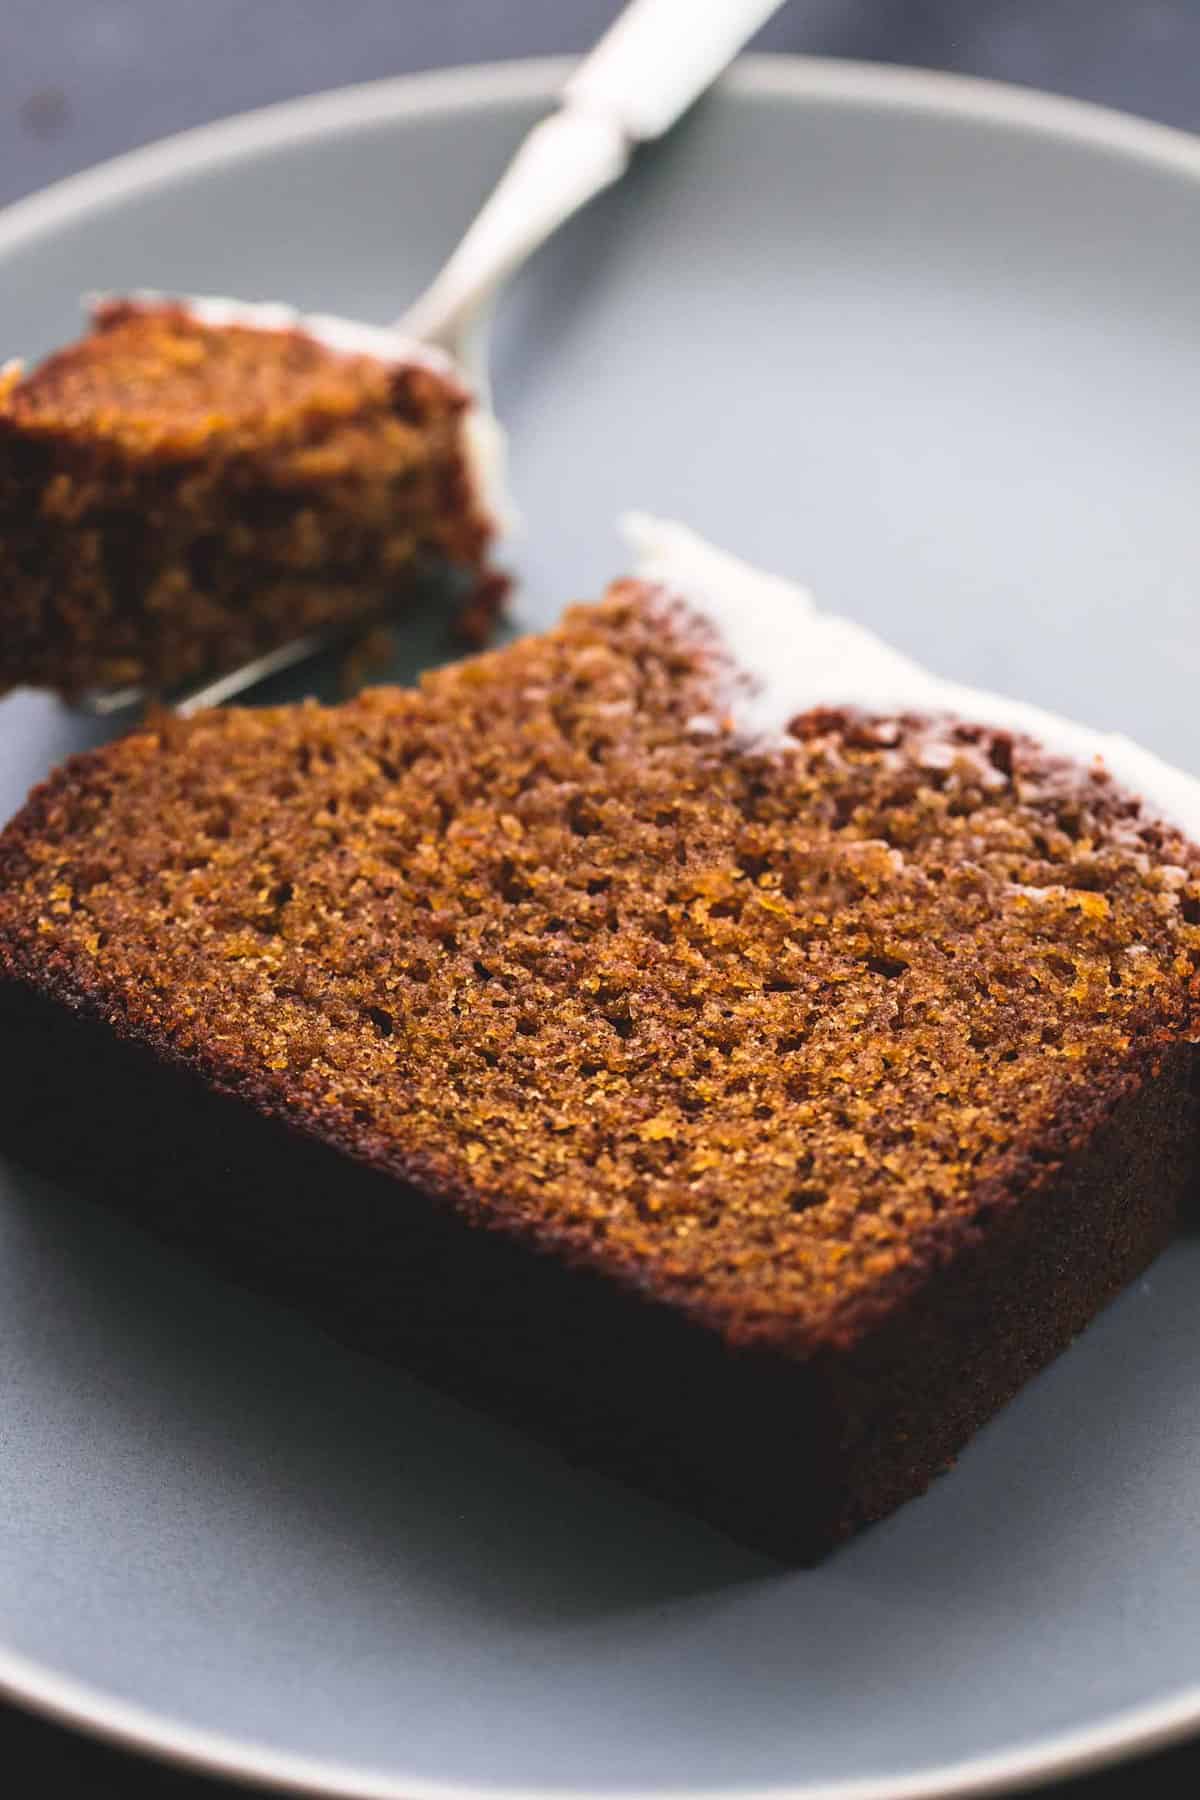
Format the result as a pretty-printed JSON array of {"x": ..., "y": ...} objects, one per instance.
[
  {"x": 751, "y": 1125},
  {"x": 176, "y": 497}
]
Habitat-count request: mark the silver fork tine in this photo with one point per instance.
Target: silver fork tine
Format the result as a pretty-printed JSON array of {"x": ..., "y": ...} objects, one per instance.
[
  {"x": 105, "y": 703},
  {"x": 249, "y": 674}
]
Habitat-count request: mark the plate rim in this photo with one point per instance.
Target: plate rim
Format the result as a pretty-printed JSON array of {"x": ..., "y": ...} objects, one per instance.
[{"x": 60, "y": 1698}]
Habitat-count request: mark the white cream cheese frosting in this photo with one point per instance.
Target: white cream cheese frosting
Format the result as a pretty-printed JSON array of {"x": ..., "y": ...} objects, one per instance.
[
  {"x": 483, "y": 437},
  {"x": 349, "y": 337},
  {"x": 790, "y": 656}
]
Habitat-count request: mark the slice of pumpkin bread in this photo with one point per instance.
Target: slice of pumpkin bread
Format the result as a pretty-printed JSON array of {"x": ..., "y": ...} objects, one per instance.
[
  {"x": 195, "y": 483},
  {"x": 748, "y": 1114}
]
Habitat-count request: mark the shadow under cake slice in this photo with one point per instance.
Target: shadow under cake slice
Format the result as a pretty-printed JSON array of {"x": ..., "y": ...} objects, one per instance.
[
  {"x": 194, "y": 483},
  {"x": 747, "y": 1109}
]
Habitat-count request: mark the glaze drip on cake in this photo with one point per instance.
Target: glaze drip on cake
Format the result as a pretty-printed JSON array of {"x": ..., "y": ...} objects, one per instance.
[
  {"x": 789, "y": 656},
  {"x": 348, "y": 337}
]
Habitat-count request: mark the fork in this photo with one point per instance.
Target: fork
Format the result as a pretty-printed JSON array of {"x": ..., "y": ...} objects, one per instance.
[{"x": 656, "y": 58}]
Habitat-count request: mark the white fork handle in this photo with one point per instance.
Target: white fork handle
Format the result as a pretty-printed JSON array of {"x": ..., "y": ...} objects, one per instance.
[
  {"x": 659, "y": 55},
  {"x": 656, "y": 58}
]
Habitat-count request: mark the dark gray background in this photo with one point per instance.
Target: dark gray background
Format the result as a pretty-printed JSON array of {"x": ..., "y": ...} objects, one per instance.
[{"x": 85, "y": 79}]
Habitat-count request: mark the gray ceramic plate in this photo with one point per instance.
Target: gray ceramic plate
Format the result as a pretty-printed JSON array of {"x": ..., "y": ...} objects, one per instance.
[{"x": 931, "y": 345}]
